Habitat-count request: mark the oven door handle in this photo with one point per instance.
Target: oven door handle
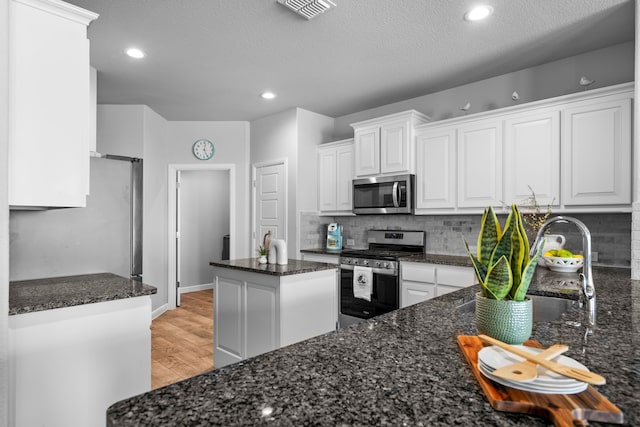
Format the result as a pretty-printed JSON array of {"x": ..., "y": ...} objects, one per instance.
[
  {"x": 396, "y": 202},
  {"x": 374, "y": 270}
]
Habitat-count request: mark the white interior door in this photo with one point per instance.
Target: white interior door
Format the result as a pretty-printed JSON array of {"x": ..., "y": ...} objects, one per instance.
[
  {"x": 270, "y": 201},
  {"x": 178, "y": 238}
]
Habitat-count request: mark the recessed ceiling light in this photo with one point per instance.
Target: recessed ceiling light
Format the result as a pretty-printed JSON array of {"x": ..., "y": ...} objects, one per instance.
[
  {"x": 267, "y": 95},
  {"x": 135, "y": 53},
  {"x": 478, "y": 13}
]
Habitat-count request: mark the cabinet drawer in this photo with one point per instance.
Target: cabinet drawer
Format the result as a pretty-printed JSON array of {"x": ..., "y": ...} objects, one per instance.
[
  {"x": 415, "y": 292},
  {"x": 418, "y": 272},
  {"x": 456, "y": 276}
]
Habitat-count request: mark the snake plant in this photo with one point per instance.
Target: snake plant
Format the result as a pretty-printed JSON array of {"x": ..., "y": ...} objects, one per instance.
[{"x": 502, "y": 264}]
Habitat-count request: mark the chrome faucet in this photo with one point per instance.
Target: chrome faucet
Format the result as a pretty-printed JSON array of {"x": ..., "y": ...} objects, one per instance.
[{"x": 588, "y": 288}]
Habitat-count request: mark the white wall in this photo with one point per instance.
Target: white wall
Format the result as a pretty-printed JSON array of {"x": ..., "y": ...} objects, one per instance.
[
  {"x": 607, "y": 66},
  {"x": 274, "y": 138},
  {"x": 121, "y": 130},
  {"x": 204, "y": 220},
  {"x": 64, "y": 242},
  {"x": 4, "y": 214},
  {"x": 293, "y": 135}
]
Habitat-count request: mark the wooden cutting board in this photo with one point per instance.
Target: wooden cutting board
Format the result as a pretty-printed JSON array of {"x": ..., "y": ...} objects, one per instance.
[{"x": 561, "y": 409}]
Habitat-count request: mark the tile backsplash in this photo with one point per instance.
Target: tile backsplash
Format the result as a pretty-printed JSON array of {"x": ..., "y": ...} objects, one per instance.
[{"x": 610, "y": 233}]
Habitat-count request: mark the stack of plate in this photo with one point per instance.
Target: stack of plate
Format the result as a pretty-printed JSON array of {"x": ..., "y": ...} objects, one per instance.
[{"x": 492, "y": 358}]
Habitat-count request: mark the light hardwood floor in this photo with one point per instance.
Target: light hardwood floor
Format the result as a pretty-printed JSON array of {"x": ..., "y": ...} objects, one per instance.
[{"x": 182, "y": 340}]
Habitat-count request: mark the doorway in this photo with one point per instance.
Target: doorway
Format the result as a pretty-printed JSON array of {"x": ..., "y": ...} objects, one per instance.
[
  {"x": 269, "y": 201},
  {"x": 201, "y": 219}
]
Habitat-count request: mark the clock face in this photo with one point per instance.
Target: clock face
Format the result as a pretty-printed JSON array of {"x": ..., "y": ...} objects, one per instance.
[{"x": 203, "y": 149}]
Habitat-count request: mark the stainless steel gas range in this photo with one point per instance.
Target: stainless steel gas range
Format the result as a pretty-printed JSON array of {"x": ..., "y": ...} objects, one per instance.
[{"x": 370, "y": 279}]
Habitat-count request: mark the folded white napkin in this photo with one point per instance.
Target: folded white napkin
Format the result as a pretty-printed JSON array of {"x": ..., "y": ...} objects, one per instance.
[{"x": 362, "y": 282}]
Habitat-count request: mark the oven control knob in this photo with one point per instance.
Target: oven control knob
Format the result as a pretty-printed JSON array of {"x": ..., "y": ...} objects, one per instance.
[
  {"x": 347, "y": 260},
  {"x": 365, "y": 262},
  {"x": 386, "y": 265}
]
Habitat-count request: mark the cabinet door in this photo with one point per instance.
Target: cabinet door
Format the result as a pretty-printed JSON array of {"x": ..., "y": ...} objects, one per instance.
[
  {"x": 228, "y": 345},
  {"x": 480, "y": 164},
  {"x": 367, "y": 145},
  {"x": 394, "y": 148},
  {"x": 49, "y": 76},
  {"x": 415, "y": 292},
  {"x": 417, "y": 283},
  {"x": 451, "y": 278},
  {"x": 261, "y": 319},
  {"x": 596, "y": 153},
  {"x": 436, "y": 169},
  {"x": 344, "y": 176},
  {"x": 532, "y": 158},
  {"x": 327, "y": 179}
]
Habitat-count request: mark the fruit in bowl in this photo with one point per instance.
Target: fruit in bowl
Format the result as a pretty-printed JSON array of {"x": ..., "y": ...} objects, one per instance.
[{"x": 562, "y": 260}]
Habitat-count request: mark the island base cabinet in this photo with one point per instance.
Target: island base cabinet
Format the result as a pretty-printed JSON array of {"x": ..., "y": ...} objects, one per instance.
[
  {"x": 255, "y": 313},
  {"x": 68, "y": 365}
]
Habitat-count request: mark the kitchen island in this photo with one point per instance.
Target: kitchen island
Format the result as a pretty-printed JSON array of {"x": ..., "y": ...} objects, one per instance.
[
  {"x": 402, "y": 368},
  {"x": 77, "y": 344},
  {"x": 262, "y": 307}
]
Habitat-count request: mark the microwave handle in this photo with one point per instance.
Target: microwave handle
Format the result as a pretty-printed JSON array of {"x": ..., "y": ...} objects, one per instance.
[{"x": 396, "y": 202}]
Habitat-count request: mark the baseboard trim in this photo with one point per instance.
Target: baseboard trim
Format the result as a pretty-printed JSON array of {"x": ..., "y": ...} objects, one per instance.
[
  {"x": 195, "y": 288},
  {"x": 158, "y": 311}
]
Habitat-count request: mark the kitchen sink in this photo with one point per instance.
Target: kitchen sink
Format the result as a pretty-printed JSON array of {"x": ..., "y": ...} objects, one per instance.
[{"x": 545, "y": 309}]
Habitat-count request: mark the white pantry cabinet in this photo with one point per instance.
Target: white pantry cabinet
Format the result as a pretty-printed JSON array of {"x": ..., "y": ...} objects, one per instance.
[
  {"x": 532, "y": 157},
  {"x": 335, "y": 176},
  {"x": 49, "y": 120},
  {"x": 256, "y": 313},
  {"x": 596, "y": 152},
  {"x": 384, "y": 145},
  {"x": 423, "y": 281}
]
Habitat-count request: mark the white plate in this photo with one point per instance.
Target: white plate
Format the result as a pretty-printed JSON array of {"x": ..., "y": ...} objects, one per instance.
[
  {"x": 492, "y": 358},
  {"x": 533, "y": 386},
  {"x": 541, "y": 379}
]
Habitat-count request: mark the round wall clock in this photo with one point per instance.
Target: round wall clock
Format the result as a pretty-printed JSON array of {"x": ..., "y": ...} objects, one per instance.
[{"x": 203, "y": 149}]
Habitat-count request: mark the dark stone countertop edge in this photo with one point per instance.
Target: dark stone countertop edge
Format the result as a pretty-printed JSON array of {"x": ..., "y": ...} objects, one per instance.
[
  {"x": 427, "y": 258},
  {"x": 293, "y": 266},
  {"x": 29, "y": 296}
]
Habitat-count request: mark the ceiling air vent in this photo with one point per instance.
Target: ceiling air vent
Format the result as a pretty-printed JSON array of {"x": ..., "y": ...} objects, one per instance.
[{"x": 308, "y": 8}]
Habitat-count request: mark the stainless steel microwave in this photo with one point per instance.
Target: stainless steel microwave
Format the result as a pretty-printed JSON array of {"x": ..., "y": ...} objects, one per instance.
[{"x": 384, "y": 195}]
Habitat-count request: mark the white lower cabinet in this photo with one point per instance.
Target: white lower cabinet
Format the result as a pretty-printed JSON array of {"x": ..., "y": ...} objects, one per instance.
[
  {"x": 255, "y": 313},
  {"x": 423, "y": 281},
  {"x": 68, "y": 365}
]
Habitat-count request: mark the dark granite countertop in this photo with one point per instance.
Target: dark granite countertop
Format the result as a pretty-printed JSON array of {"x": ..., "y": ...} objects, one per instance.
[
  {"x": 27, "y": 296},
  {"x": 459, "y": 260},
  {"x": 402, "y": 368},
  {"x": 293, "y": 266}
]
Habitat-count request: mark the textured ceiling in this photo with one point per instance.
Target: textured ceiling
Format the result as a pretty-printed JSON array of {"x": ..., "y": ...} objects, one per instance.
[{"x": 210, "y": 59}]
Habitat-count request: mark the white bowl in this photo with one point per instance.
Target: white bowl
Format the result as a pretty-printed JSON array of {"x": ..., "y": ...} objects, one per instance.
[{"x": 563, "y": 265}]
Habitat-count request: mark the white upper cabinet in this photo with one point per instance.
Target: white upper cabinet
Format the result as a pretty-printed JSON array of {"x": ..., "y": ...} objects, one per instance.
[
  {"x": 436, "y": 169},
  {"x": 367, "y": 150},
  {"x": 480, "y": 164},
  {"x": 49, "y": 120},
  {"x": 573, "y": 152},
  {"x": 335, "y": 176},
  {"x": 596, "y": 151},
  {"x": 532, "y": 157},
  {"x": 384, "y": 146}
]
